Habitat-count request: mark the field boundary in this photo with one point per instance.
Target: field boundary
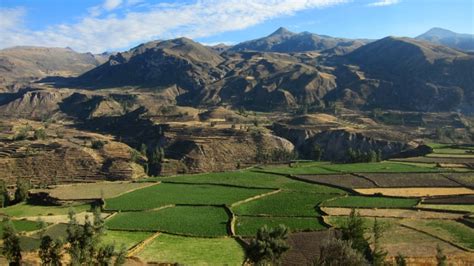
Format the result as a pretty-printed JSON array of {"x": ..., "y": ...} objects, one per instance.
[
  {"x": 216, "y": 184},
  {"x": 366, "y": 178},
  {"x": 231, "y": 222},
  {"x": 435, "y": 236},
  {"x": 255, "y": 197},
  {"x": 141, "y": 245},
  {"x": 297, "y": 178}
]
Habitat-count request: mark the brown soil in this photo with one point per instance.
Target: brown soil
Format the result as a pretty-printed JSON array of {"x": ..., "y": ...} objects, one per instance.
[
  {"x": 393, "y": 213},
  {"x": 415, "y": 192}
]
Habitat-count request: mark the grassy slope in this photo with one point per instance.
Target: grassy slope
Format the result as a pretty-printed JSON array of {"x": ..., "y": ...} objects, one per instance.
[
  {"x": 164, "y": 194},
  {"x": 193, "y": 251},
  {"x": 123, "y": 238},
  {"x": 194, "y": 221},
  {"x": 284, "y": 204}
]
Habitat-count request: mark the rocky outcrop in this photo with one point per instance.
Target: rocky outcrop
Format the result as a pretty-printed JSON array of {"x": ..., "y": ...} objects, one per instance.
[{"x": 336, "y": 144}]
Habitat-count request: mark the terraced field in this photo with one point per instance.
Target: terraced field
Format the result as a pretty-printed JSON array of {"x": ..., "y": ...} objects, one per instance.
[
  {"x": 164, "y": 194},
  {"x": 370, "y": 202},
  {"x": 248, "y": 226}
]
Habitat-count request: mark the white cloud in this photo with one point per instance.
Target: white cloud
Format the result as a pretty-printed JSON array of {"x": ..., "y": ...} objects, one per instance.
[
  {"x": 200, "y": 18},
  {"x": 384, "y": 3},
  {"x": 111, "y": 4},
  {"x": 11, "y": 18}
]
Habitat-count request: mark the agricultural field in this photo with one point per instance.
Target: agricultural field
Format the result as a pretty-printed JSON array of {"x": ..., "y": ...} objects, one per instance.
[
  {"x": 183, "y": 220},
  {"x": 193, "y": 251},
  {"x": 396, "y": 180},
  {"x": 248, "y": 226},
  {"x": 284, "y": 204},
  {"x": 91, "y": 190},
  {"x": 415, "y": 191},
  {"x": 392, "y": 213},
  {"x": 124, "y": 238},
  {"x": 347, "y": 181},
  {"x": 461, "y": 199},
  {"x": 451, "y": 231},
  {"x": 26, "y": 210},
  {"x": 370, "y": 202},
  {"x": 164, "y": 194},
  {"x": 251, "y": 178},
  {"x": 23, "y": 226},
  {"x": 450, "y": 207}
]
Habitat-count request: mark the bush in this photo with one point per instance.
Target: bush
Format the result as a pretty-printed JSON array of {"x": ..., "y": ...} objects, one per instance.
[
  {"x": 40, "y": 134},
  {"x": 269, "y": 245},
  {"x": 97, "y": 144}
]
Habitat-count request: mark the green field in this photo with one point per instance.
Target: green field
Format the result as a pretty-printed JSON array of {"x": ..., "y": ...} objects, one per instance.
[
  {"x": 124, "y": 238},
  {"x": 371, "y": 202},
  {"x": 252, "y": 178},
  {"x": 22, "y": 226},
  {"x": 26, "y": 210},
  {"x": 248, "y": 226},
  {"x": 164, "y": 194},
  {"x": 185, "y": 220},
  {"x": 193, "y": 251},
  {"x": 284, "y": 204},
  {"x": 301, "y": 168},
  {"x": 448, "y": 230}
]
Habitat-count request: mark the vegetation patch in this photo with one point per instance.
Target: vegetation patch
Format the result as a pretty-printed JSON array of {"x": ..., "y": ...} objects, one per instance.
[
  {"x": 23, "y": 226},
  {"x": 462, "y": 199},
  {"x": 370, "y": 202},
  {"x": 252, "y": 178},
  {"x": 193, "y": 251},
  {"x": 165, "y": 194},
  {"x": 185, "y": 220},
  {"x": 301, "y": 168},
  {"x": 415, "y": 192},
  {"x": 392, "y": 213},
  {"x": 26, "y": 210},
  {"x": 284, "y": 204},
  {"x": 381, "y": 167},
  {"x": 248, "y": 226}
]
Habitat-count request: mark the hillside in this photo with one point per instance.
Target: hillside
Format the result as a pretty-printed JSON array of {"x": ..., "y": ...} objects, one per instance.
[{"x": 27, "y": 63}]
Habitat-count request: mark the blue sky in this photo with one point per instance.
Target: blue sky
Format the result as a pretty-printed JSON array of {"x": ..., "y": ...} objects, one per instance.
[{"x": 114, "y": 25}]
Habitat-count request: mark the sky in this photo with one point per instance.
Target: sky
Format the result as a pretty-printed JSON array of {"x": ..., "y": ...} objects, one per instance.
[{"x": 116, "y": 25}]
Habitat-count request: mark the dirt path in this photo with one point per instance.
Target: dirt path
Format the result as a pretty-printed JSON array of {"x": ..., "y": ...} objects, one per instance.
[{"x": 133, "y": 251}]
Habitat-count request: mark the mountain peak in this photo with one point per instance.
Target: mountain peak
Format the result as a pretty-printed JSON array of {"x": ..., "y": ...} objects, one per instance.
[
  {"x": 282, "y": 31},
  {"x": 439, "y": 32}
]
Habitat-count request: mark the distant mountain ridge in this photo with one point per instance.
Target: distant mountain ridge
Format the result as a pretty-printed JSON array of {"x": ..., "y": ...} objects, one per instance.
[
  {"x": 285, "y": 41},
  {"x": 449, "y": 38}
]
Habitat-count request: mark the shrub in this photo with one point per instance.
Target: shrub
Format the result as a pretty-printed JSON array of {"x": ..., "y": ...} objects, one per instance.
[
  {"x": 40, "y": 134},
  {"x": 97, "y": 144},
  {"x": 269, "y": 245}
]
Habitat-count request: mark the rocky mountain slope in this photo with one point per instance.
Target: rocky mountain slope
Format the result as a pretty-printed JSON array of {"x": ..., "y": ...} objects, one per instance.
[
  {"x": 449, "y": 38},
  {"x": 24, "y": 63}
]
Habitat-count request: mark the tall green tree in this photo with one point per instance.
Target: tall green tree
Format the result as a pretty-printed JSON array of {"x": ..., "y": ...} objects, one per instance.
[
  {"x": 269, "y": 245},
  {"x": 21, "y": 192},
  {"x": 11, "y": 243},
  {"x": 354, "y": 231},
  {"x": 441, "y": 259},
  {"x": 378, "y": 253},
  {"x": 400, "y": 260},
  {"x": 50, "y": 251},
  {"x": 4, "y": 198}
]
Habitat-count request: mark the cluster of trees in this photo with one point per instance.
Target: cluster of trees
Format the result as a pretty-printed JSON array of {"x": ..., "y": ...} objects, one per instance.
[
  {"x": 82, "y": 244},
  {"x": 357, "y": 156},
  {"x": 20, "y": 195},
  {"x": 155, "y": 158}
]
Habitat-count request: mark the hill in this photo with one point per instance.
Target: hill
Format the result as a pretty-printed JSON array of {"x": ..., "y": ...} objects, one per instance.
[{"x": 449, "y": 38}]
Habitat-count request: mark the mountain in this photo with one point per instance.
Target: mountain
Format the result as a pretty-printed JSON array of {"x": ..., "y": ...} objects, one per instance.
[
  {"x": 448, "y": 38},
  {"x": 285, "y": 41},
  {"x": 158, "y": 64},
  {"x": 407, "y": 74},
  {"x": 27, "y": 63}
]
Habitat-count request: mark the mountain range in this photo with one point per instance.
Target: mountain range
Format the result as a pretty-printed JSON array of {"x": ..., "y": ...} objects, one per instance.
[{"x": 284, "y": 70}]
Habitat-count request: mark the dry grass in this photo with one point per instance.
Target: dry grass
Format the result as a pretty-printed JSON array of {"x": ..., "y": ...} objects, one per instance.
[
  {"x": 92, "y": 190},
  {"x": 416, "y": 192},
  {"x": 392, "y": 213}
]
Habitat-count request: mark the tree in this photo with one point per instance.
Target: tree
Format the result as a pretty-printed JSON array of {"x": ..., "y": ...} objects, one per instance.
[
  {"x": 378, "y": 253},
  {"x": 316, "y": 152},
  {"x": 143, "y": 149},
  {"x": 354, "y": 231},
  {"x": 4, "y": 198},
  {"x": 121, "y": 256},
  {"x": 339, "y": 252},
  {"x": 105, "y": 254},
  {"x": 400, "y": 260},
  {"x": 11, "y": 243},
  {"x": 269, "y": 245},
  {"x": 441, "y": 259},
  {"x": 50, "y": 251},
  {"x": 21, "y": 192},
  {"x": 155, "y": 159}
]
